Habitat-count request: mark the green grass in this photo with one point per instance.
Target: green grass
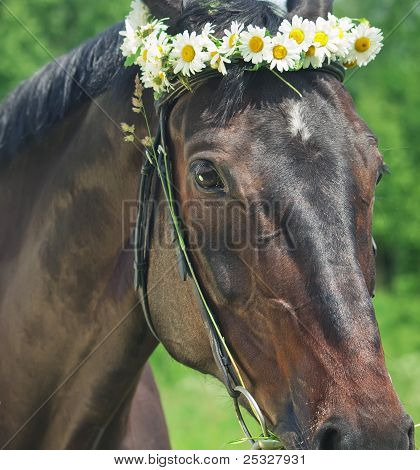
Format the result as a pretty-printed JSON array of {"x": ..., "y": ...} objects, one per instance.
[
  {"x": 399, "y": 323},
  {"x": 200, "y": 415},
  {"x": 198, "y": 410}
]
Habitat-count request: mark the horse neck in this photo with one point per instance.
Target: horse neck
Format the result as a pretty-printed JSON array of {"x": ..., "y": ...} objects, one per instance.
[{"x": 65, "y": 206}]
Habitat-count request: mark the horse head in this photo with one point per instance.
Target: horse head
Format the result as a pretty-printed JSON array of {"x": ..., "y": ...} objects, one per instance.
[{"x": 276, "y": 193}]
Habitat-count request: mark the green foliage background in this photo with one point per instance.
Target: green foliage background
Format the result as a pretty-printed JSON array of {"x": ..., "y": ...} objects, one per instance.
[{"x": 387, "y": 96}]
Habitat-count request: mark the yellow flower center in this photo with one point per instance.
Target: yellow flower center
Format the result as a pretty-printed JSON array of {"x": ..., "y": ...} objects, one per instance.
[
  {"x": 188, "y": 53},
  {"x": 144, "y": 55},
  {"x": 216, "y": 63},
  {"x": 310, "y": 52},
  {"x": 321, "y": 37},
  {"x": 279, "y": 52},
  {"x": 297, "y": 34},
  {"x": 351, "y": 64},
  {"x": 340, "y": 32},
  {"x": 232, "y": 40},
  {"x": 362, "y": 44},
  {"x": 256, "y": 44}
]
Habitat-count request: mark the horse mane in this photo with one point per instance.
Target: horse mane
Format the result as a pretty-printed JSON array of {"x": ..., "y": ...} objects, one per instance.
[
  {"x": 87, "y": 71},
  {"x": 58, "y": 88}
]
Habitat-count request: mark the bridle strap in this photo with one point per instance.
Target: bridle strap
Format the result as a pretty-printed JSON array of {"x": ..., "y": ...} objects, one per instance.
[
  {"x": 147, "y": 195},
  {"x": 142, "y": 235},
  {"x": 334, "y": 69}
]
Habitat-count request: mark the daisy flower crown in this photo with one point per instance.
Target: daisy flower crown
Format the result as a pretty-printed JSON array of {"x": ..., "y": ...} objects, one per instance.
[{"x": 167, "y": 60}]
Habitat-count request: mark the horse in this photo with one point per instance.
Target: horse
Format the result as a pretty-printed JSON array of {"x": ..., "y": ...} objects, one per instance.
[
  {"x": 70, "y": 320},
  {"x": 292, "y": 298}
]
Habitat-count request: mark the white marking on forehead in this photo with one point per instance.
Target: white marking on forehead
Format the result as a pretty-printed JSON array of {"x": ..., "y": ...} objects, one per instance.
[{"x": 297, "y": 123}]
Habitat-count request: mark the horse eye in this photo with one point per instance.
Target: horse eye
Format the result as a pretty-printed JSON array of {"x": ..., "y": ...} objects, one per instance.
[{"x": 206, "y": 176}]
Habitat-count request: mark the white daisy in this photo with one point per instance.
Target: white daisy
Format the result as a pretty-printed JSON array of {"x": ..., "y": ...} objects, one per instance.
[
  {"x": 231, "y": 38},
  {"x": 151, "y": 29},
  {"x": 365, "y": 44},
  {"x": 283, "y": 53},
  {"x": 131, "y": 42},
  {"x": 326, "y": 40},
  {"x": 301, "y": 30},
  {"x": 343, "y": 26},
  {"x": 187, "y": 54},
  {"x": 254, "y": 44},
  {"x": 217, "y": 59},
  {"x": 139, "y": 13},
  {"x": 153, "y": 50},
  {"x": 157, "y": 79},
  {"x": 208, "y": 30},
  {"x": 314, "y": 57},
  {"x": 137, "y": 28}
]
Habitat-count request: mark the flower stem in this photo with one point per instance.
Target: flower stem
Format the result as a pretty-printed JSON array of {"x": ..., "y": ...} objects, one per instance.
[{"x": 287, "y": 83}]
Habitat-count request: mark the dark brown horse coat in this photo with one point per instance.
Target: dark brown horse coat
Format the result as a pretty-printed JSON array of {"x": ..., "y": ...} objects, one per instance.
[
  {"x": 297, "y": 314},
  {"x": 72, "y": 335}
]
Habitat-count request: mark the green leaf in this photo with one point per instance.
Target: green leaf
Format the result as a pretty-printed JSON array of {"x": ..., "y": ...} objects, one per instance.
[{"x": 129, "y": 61}]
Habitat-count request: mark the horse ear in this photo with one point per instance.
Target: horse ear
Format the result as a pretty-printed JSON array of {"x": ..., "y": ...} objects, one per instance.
[
  {"x": 164, "y": 8},
  {"x": 310, "y": 9}
]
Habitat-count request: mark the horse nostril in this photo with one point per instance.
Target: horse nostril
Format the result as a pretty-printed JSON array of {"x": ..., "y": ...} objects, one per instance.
[
  {"x": 334, "y": 434},
  {"x": 329, "y": 438}
]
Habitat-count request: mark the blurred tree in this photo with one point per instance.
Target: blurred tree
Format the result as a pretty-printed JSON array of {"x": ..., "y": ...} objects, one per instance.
[
  {"x": 386, "y": 94},
  {"x": 56, "y": 25}
]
